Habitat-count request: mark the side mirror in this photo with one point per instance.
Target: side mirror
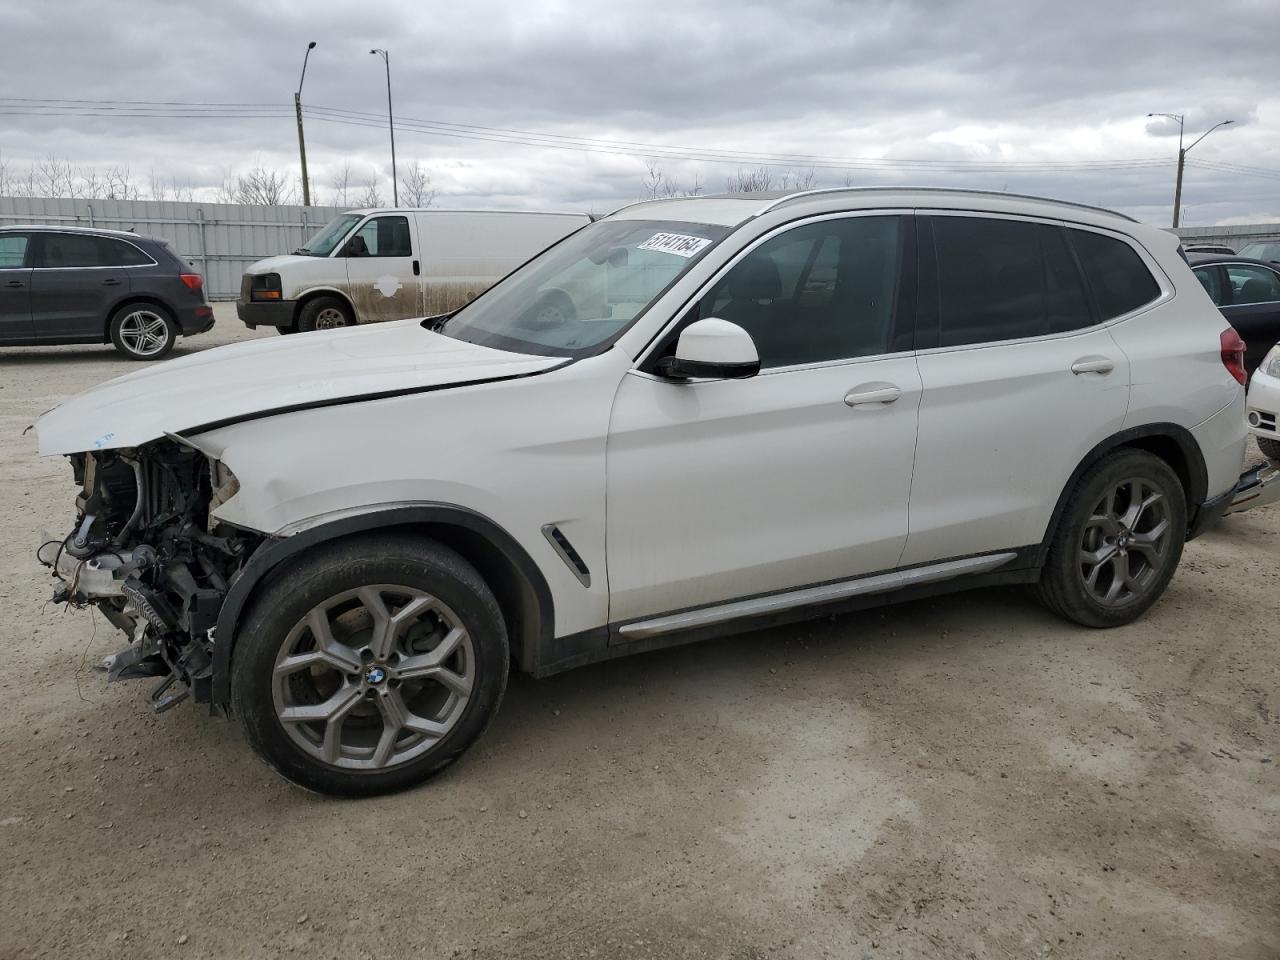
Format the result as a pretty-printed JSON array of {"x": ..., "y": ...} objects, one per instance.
[{"x": 714, "y": 349}]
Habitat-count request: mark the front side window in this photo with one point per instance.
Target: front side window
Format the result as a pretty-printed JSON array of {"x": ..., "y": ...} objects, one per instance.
[
  {"x": 1119, "y": 279},
  {"x": 381, "y": 237},
  {"x": 1004, "y": 280},
  {"x": 1214, "y": 282},
  {"x": 1250, "y": 284},
  {"x": 580, "y": 295},
  {"x": 13, "y": 250},
  {"x": 329, "y": 236},
  {"x": 819, "y": 292}
]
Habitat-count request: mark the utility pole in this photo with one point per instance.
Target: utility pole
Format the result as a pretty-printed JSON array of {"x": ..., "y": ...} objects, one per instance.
[
  {"x": 1182, "y": 156},
  {"x": 391, "y": 124},
  {"x": 302, "y": 143}
]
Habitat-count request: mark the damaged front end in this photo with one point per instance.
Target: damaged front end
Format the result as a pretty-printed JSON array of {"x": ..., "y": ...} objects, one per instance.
[{"x": 148, "y": 553}]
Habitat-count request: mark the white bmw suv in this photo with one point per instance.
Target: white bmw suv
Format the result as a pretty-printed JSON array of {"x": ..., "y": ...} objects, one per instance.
[{"x": 691, "y": 417}]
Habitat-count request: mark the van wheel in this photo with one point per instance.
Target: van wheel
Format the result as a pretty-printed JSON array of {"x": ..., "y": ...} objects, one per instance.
[
  {"x": 370, "y": 665},
  {"x": 1118, "y": 542},
  {"x": 1270, "y": 448},
  {"x": 325, "y": 313},
  {"x": 142, "y": 331}
]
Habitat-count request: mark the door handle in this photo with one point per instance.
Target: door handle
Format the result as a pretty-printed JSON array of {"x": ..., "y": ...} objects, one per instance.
[
  {"x": 417, "y": 268},
  {"x": 111, "y": 282},
  {"x": 871, "y": 394},
  {"x": 15, "y": 283},
  {"x": 1095, "y": 364}
]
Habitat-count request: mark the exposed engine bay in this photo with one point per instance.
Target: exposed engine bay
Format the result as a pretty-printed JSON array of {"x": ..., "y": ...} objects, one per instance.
[{"x": 147, "y": 553}]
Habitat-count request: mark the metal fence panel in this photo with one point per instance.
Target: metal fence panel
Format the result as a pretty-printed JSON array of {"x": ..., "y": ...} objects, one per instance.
[
  {"x": 1235, "y": 236},
  {"x": 220, "y": 239}
]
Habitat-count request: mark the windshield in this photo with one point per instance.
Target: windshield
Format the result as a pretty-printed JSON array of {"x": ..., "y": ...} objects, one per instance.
[
  {"x": 581, "y": 294},
  {"x": 1262, "y": 251},
  {"x": 330, "y": 235}
]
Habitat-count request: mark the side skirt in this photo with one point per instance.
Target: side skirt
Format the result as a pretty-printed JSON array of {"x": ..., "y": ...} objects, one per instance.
[{"x": 794, "y": 606}]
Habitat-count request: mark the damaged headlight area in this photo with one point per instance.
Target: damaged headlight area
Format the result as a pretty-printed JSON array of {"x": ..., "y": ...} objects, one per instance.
[{"x": 146, "y": 551}]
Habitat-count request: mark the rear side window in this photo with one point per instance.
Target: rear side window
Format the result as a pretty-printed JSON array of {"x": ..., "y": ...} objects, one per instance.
[
  {"x": 63, "y": 250},
  {"x": 120, "y": 253},
  {"x": 1252, "y": 284},
  {"x": 1211, "y": 278},
  {"x": 1120, "y": 280},
  {"x": 1004, "y": 280},
  {"x": 13, "y": 250}
]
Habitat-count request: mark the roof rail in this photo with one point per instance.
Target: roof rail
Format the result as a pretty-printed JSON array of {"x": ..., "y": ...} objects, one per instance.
[{"x": 774, "y": 204}]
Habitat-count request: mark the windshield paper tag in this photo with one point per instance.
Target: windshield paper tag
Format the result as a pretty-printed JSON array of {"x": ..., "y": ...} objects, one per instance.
[{"x": 677, "y": 243}]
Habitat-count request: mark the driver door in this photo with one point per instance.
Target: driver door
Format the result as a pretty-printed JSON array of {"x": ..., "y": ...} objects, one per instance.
[
  {"x": 725, "y": 489},
  {"x": 383, "y": 269}
]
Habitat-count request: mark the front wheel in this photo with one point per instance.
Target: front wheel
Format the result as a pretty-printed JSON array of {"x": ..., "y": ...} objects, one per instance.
[
  {"x": 370, "y": 665},
  {"x": 1270, "y": 448},
  {"x": 141, "y": 331},
  {"x": 324, "y": 313},
  {"x": 1118, "y": 542}
]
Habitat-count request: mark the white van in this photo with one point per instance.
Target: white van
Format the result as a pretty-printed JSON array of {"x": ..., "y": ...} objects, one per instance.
[{"x": 390, "y": 264}]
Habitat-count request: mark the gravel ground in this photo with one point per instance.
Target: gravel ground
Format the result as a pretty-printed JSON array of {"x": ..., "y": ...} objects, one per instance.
[{"x": 963, "y": 777}]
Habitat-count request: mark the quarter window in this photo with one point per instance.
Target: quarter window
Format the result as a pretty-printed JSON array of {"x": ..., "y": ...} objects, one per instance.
[
  {"x": 1119, "y": 279},
  {"x": 1004, "y": 280},
  {"x": 819, "y": 292},
  {"x": 1250, "y": 284},
  {"x": 120, "y": 253},
  {"x": 381, "y": 237},
  {"x": 13, "y": 250},
  {"x": 1211, "y": 278}
]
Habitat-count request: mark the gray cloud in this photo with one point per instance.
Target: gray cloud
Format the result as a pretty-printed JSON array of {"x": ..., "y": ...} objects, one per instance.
[{"x": 1034, "y": 81}]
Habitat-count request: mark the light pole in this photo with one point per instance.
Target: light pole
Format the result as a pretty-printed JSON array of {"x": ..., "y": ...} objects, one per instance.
[
  {"x": 391, "y": 123},
  {"x": 1182, "y": 155},
  {"x": 302, "y": 143}
]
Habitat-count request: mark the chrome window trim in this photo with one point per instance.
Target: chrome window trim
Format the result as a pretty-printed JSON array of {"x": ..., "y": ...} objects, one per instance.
[{"x": 97, "y": 236}]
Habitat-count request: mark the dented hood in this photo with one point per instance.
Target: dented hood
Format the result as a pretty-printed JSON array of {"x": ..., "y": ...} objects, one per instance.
[{"x": 278, "y": 374}]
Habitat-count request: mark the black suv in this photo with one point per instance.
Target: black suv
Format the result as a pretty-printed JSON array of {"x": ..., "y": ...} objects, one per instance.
[{"x": 80, "y": 285}]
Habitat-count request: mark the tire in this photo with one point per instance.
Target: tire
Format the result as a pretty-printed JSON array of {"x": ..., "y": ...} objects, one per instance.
[
  {"x": 142, "y": 331},
  {"x": 1270, "y": 448},
  {"x": 325, "y": 313},
  {"x": 1099, "y": 519},
  {"x": 286, "y": 330},
  {"x": 437, "y": 713}
]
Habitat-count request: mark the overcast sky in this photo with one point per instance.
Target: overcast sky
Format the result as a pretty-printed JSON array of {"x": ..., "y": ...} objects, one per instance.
[{"x": 1018, "y": 82}]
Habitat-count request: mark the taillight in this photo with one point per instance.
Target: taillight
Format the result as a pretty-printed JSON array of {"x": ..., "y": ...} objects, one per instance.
[
  {"x": 1233, "y": 354},
  {"x": 193, "y": 280}
]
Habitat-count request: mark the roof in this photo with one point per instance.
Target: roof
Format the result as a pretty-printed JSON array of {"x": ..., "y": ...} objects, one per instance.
[
  {"x": 365, "y": 211},
  {"x": 750, "y": 205}
]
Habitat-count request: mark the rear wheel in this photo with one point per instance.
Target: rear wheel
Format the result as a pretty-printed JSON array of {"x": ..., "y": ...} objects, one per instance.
[
  {"x": 370, "y": 665},
  {"x": 1118, "y": 542},
  {"x": 142, "y": 331},
  {"x": 325, "y": 313}
]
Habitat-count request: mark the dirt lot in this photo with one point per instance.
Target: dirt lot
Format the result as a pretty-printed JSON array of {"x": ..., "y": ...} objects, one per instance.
[{"x": 965, "y": 777}]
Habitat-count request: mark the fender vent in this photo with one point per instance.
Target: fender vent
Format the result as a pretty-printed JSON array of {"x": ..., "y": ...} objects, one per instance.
[{"x": 560, "y": 543}]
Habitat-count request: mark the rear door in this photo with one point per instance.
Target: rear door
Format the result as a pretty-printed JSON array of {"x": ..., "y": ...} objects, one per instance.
[
  {"x": 1020, "y": 381},
  {"x": 15, "y": 287},
  {"x": 75, "y": 283},
  {"x": 384, "y": 269}
]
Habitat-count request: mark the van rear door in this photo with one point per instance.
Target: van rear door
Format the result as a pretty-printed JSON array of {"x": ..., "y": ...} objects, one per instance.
[{"x": 383, "y": 269}]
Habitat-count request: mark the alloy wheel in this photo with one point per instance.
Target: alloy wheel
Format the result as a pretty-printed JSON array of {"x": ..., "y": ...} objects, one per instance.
[
  {"x": 144, "y": 332},
  {"x": 1125, "y": 543},
  {"x": 373, "y": 677},
  {"x": 330, "y": 318}
]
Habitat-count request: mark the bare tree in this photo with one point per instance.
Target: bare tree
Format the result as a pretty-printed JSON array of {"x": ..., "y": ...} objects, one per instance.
[
  {"x": 415, "y": 186},
  {"x": 658, "y": 185},
  {"x": 341, "y": 184},
  {"x": 371, "y": 197},
  {"x": 265, "y": 187},
  {"x": 118, "y": 185},
  {"x": 798, "y": 179},
  {"x": 750, "y": 181},
  {"x": 56, "y": 177}
]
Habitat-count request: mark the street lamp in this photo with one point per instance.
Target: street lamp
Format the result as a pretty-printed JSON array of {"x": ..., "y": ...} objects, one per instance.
[
  {"x": 391, "y": 123},
  {"x": 1182, "y": 155},
  {"x": 302, "y": 143}
]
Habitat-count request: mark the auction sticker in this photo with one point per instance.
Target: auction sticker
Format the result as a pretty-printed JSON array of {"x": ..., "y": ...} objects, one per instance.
[{"x": 678, "y": 243}]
